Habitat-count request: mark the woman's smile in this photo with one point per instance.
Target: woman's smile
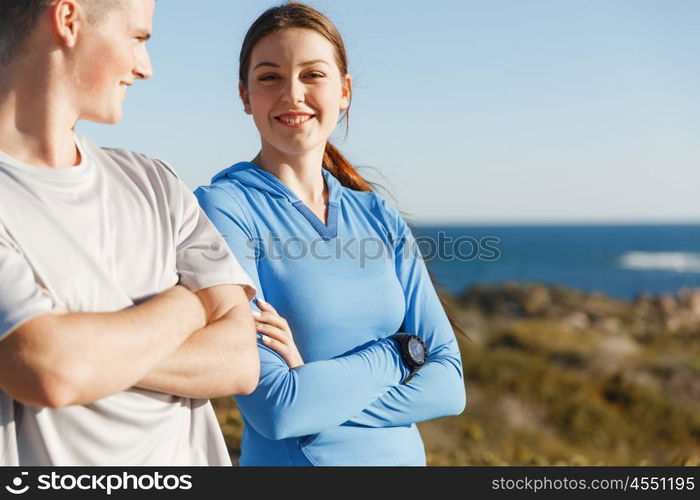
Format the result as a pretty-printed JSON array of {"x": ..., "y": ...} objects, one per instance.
[{"x": 294, "y": 120}]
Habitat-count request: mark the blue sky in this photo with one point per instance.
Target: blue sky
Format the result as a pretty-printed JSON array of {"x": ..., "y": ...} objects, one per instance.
[{"x": 488, "y": 111}]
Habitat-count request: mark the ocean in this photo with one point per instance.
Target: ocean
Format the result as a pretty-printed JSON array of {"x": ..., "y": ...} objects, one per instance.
[{"x": 622, "y": 261}]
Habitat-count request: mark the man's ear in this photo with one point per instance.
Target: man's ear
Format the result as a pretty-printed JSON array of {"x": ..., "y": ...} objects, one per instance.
[
  {"x": 66, "y": 17},
  {"x": 243, "y": 92},
  {"x": 346, "y": 92}
]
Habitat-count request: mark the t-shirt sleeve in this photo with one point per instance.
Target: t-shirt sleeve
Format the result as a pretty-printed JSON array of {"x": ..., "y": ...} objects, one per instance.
[
  {"x": 231, "y": 221},
  {"x": 203, "y": 258},
  {"x": 21, "y": 296}
]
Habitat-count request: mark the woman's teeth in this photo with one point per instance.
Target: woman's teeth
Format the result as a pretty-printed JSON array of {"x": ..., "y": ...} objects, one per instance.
[{"x": 294, "y": 120}]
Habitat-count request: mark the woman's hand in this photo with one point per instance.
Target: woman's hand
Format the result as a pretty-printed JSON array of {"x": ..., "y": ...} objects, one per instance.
[{"x": 276, "y": 333}]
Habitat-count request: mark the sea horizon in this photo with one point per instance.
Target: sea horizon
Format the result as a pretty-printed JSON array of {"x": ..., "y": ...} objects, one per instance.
[{"x": 620, "y": 260}]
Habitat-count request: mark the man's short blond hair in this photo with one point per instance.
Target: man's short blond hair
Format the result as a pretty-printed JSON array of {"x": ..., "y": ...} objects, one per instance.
[{"x": 18, "y": 19}]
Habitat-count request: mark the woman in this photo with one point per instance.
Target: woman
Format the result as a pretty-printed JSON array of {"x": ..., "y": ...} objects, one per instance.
[{"x": 337, "y": 262}]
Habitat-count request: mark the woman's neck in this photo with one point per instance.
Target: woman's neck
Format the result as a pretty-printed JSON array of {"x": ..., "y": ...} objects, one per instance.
[{"x": 300, "y": 173}]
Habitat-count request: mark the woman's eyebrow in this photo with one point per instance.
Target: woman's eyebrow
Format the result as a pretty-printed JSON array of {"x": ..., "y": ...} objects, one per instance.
[
  {"x": 275, "y": 65},
  {"x": 266, "y": 63},
  {"x": 309, "y": 63}
]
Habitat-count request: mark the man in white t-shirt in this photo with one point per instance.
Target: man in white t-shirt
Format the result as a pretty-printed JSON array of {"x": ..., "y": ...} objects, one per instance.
[{"x": 121, "y": 309}]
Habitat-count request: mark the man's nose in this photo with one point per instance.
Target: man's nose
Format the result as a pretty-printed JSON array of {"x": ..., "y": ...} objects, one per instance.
[{"x": 143, "y": 69}]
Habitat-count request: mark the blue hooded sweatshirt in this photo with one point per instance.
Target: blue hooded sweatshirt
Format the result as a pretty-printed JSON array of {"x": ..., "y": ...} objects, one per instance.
[{"x": 343, "y": 287}]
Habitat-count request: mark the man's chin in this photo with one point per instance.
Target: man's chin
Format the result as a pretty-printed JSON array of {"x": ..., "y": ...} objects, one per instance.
[{"x": 104, "y": 118}]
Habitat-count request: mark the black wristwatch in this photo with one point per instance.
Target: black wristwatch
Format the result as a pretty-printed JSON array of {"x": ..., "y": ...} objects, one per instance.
[{"x": 413, "y": 352}]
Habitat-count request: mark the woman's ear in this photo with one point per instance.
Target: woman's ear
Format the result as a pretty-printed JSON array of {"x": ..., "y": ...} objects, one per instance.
[
  {"x": 346, "y": 92},
  {"x": 243, "y": 92}
]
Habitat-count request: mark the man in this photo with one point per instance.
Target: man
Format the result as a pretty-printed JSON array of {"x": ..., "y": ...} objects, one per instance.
[{"x": 120, "y": 306}]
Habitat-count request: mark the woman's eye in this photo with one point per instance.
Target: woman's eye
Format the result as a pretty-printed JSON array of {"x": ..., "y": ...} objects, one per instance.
[
  {"x": 267, "y": 78},
  {"x": 315, "y": 74}
]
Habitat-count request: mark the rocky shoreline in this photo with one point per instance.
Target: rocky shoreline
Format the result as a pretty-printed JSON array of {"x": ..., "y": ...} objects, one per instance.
[{"x": 578, "y": 310}]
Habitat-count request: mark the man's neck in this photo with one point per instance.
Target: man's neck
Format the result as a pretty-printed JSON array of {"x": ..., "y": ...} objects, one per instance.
[{"x": 36, "y": 125}]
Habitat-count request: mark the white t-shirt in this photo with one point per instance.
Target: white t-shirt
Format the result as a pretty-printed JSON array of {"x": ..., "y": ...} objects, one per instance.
[{"x": 98, "y": 237}]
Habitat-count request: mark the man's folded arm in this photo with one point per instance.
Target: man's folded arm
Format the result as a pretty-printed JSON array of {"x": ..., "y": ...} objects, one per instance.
[
  {"x": 221, "y": 359},
  {"x": 56, "y": 360}
]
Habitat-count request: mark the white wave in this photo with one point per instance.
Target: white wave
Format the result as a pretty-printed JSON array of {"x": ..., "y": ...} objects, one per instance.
[{"x": 679, "y": 262}]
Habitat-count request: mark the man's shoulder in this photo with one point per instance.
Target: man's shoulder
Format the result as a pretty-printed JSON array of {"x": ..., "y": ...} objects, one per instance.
[
  {"x": 126, "y": 159},
  {"x": 131, "y": 159}
]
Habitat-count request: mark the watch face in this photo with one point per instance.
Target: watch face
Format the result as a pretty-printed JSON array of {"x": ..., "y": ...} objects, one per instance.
[{"x": 415, "y": 348}]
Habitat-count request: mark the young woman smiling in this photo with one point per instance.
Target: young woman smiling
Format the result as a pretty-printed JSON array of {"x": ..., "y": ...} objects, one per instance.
[{"x": 354, "y": 349}]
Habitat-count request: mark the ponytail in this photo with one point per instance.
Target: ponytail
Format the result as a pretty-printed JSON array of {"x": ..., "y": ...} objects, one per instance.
[{"x": 342, "y": 169}]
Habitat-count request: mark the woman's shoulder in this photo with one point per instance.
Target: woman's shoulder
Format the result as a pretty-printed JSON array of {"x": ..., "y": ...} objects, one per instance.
[
  {"x": 224, "y": 195},
  {"x": 379, "y": 207},
  {"x": 225, "y": 188},
  {"x": 368, "y": 199}
]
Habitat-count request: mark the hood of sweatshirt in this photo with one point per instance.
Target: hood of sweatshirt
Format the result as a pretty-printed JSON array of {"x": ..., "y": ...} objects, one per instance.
[{"x": 252, "y": 176}]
